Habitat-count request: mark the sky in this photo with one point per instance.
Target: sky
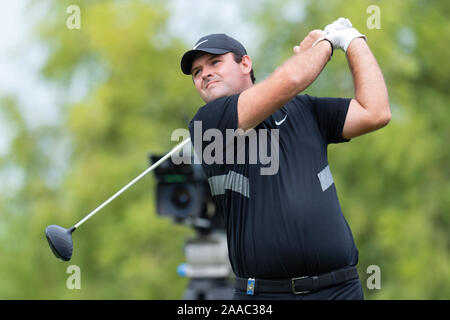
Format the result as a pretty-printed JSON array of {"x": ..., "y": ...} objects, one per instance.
[
  {"x": 8, "y": 80},
  {"x": 20, "y": 60}
]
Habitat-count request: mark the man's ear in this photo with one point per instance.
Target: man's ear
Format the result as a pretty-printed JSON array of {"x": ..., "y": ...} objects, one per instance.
[{"x": 246, "y": 64}]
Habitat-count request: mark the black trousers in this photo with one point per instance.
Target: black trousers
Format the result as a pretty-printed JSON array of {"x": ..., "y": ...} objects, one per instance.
[{"x": 350, "y": 290}]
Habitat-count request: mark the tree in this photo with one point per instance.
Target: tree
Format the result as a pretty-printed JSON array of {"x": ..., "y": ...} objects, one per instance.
[{"x": 125, "y": 60}]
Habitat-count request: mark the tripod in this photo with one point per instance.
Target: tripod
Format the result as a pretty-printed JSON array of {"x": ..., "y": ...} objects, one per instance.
[{"x": 208, "y": 268}]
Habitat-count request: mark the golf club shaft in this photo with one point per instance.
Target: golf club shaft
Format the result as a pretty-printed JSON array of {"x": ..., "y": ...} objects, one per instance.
[{"x": 156, "y": 164}]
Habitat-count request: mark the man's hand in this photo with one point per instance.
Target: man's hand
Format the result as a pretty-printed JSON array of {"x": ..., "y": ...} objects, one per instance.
[
  {"x": 340, "y": 33},
  {"x": 309, "y": 40}
]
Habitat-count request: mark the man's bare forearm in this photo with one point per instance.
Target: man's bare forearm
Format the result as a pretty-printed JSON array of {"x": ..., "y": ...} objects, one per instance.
[
  {"x": 370, "y": 88},
  {"x": 302, "y": 69},
  {"x": 307, "y": 64},
  {"x": 293, "y": 76}
]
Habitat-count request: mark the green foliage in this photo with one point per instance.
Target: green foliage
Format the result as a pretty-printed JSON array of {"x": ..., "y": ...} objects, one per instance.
[
  {"x": 129, "y": 111},
  {"x": 393, "y": 184}
]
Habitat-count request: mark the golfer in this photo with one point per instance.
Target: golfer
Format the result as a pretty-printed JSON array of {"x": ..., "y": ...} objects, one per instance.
[{"x": 287, "y": 236}]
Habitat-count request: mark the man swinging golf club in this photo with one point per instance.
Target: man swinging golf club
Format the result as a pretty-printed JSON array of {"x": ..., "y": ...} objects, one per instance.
[{"x": 287, "y": 236}]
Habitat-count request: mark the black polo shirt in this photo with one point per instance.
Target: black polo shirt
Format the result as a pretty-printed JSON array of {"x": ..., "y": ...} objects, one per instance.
[{"x": 287, "y": 223}]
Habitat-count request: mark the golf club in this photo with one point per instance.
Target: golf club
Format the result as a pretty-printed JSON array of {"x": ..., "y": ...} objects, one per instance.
[{"x": 60, "y": 239}]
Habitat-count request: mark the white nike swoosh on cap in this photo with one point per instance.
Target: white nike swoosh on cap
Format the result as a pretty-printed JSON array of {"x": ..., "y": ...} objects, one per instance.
[
  {"x": 195, "y": 47},
  {"x": 281, "y": 121}
]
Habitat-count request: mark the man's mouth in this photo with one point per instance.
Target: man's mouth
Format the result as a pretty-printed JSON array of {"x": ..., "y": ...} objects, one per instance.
[{"x": 211, "y": 82}]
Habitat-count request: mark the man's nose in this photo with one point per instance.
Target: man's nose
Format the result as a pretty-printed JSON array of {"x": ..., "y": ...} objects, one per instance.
[{"x": 206, "y": 73}]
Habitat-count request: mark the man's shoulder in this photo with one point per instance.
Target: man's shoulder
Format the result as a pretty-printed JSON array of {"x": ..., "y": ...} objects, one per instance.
[
  {"x": 304, "y": 99},
  {"x": 221, "y": 110},
  {"x": 300, "y": 103},
  {"x": 216, "y": 105},
  {"x": 222, "y": 101}
]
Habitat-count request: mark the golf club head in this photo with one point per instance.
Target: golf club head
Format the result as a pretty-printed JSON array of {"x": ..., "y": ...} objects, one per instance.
[{"x": 60, "y": 241}]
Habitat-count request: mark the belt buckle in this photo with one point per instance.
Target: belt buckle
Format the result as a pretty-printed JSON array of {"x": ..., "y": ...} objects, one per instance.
[
  {"x": 250, "y": 286},
  {"x": 293, "y": 285}
]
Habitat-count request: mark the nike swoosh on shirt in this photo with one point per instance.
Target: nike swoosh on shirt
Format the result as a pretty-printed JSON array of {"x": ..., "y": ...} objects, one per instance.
[
  {"x": 281, "y": 121},
  {"x": 195, "y": 47}
]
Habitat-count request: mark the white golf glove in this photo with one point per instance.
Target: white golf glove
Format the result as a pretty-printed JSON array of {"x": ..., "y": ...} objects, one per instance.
[{"x": 340, "y": 33}]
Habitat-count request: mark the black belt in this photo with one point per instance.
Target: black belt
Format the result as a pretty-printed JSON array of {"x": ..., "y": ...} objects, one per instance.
[{"x": 300, "y": 285}]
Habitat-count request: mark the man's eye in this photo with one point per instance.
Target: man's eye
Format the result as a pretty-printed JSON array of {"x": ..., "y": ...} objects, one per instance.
[
  {"x": 215, "y": 61},
  {"x": 196, "y": 72}
]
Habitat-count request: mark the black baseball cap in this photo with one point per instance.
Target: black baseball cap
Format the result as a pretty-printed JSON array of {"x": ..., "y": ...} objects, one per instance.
[{"x": 217, "y": 43}]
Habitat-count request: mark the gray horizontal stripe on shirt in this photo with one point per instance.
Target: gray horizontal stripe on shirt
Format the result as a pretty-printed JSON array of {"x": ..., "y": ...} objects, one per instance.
[{"x": 231, "y": 181}]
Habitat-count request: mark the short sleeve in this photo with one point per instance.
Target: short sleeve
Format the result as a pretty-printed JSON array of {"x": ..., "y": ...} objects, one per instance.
[{"x": 331, "y": 114}]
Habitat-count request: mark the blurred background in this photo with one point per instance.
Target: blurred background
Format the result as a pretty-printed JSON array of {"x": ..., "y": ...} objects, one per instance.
[{"x": 81, "y": 109}]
